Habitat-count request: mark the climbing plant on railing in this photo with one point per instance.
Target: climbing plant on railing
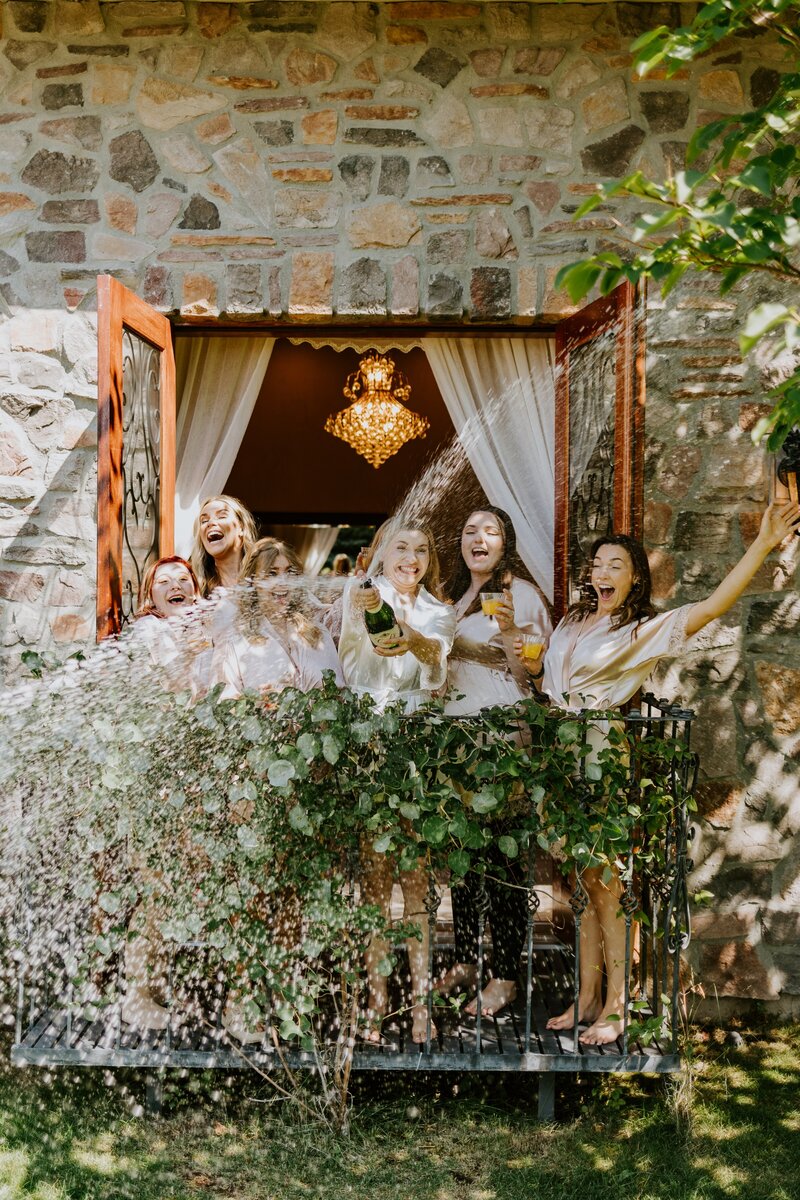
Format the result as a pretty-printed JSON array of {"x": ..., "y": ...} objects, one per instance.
[{"x": 237, "y": 825}]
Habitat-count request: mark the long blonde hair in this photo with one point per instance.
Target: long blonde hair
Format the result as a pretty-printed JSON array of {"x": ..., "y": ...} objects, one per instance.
[
  {"x": 205, "y": 567},
  {"x": 390, "y": 529},
  {"x": 262, "y": 554}
]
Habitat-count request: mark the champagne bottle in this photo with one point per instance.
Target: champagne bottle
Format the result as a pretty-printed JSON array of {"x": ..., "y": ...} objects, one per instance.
[{"x": 381, "y": 623}]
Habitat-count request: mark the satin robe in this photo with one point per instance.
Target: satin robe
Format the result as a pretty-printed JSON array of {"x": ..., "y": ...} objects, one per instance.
[
  {"x": 483, "y": 686},
  {"x": 601, "y": 667},
  {"x": 176, "y": 645},
  {"x": 403, "y": 677}
]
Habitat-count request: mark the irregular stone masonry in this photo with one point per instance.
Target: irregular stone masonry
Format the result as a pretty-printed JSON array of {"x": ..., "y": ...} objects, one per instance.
[{"x": 381, "y": 162}]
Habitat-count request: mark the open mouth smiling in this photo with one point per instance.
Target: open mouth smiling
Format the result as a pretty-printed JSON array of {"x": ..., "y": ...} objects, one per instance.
[{"x": 605, "y": 592}]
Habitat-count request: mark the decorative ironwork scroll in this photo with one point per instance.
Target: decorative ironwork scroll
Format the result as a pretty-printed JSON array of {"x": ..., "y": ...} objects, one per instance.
[
  {"x": 141, "y": 464},
  {"x": 591, "y": 460},
  {"x": 599, "y": 425},
  {"x": 135, "y": 448}
]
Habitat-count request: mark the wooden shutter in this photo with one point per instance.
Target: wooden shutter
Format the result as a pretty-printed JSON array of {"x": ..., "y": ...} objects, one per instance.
[
  {"x": 135, "y": 448},
  {"x": 599, "y": 431}
]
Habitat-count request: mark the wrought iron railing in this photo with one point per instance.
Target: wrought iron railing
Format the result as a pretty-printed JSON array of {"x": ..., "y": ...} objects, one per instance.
[{"x": 58, "y": 1021}]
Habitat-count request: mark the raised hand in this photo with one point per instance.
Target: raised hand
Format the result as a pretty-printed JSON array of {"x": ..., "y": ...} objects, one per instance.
[{"x": 779, "y": 521}]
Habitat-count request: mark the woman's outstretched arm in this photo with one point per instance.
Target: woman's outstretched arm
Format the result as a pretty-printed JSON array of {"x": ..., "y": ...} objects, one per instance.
[{"x": 779, "y": 521}]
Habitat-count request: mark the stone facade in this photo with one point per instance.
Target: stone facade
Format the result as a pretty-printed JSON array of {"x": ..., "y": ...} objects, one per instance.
[{"x": 395, "y": 162}]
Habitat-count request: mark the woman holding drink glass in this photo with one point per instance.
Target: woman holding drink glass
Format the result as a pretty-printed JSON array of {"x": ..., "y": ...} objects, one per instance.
[{"x": 495, "y": 604}]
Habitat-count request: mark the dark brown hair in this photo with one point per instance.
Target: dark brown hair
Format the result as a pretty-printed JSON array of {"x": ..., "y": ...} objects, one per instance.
[
  {"x": 638, "y": 605},
  {"x": 146, "y": 607},
  {"x": 508, "y": 568}
]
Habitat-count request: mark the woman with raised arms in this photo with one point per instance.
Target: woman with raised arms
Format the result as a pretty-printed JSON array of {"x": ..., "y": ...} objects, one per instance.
[
  {"x": 404, "y": 573},
  {"x": 599, "y": 656}
]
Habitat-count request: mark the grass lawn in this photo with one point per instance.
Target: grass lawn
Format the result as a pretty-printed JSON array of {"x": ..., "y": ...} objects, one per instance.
[{"x": 73, "y": 1135}]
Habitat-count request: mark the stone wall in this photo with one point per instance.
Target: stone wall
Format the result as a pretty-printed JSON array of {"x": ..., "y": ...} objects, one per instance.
[{"x": 393, "y": 162}]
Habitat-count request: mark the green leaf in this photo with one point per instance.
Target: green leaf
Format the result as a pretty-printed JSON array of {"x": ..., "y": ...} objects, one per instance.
[
  {"x": 409, "y": 811},
  {"x": 757, "y": 176},
  {"x": 308, "y": 745},
  {"x": 298, "y": 819},
  {"x": 507, "y": 845},
  {"x": 434, "y": 830},
  {"x": 578, "y": 279},
  {"x": 762, "y": 319},
  {"x": 459, "y": 826},
  {"x": 568, "y": 732},
  {"x": 331, "y": 748},
  {"x": 459, "y": 862},
  {"x": 382, "y": 844},
  {"x": 362, "y": 732},
  {"x": 280, "y": 772},
  {"x": 247, "y": 838},
  {"x": 483, "y": 801}
]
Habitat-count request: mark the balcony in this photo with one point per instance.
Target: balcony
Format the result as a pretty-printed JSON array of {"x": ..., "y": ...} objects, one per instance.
[{"x": 606, "y": 791}]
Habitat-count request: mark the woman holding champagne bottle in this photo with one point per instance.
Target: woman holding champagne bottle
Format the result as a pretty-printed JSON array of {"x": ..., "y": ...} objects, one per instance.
[
  {"x": 403, "y": 659},
  {"x": 495, "y": 605}
]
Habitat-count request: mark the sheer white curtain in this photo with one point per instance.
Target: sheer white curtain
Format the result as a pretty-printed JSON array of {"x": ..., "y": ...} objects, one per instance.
[
  {"x": 311, "y": 543},
  {"x": 500, "y": 394},
  {"x": 218, "y": 381}
]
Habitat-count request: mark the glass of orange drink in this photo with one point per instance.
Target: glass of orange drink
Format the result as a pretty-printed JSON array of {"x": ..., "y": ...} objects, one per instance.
[
  {"x": 490, "y": 601},
  {"x": 532, "y": 645}
]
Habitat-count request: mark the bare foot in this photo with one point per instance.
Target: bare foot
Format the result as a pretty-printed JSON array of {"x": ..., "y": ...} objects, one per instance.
[
  {"x": 369, "y": 1026},
  {"x": 462, "y": 977},
  {"x": 141, "y": 1011},
  {"x": 236, "y": 1025},
  {"x": 604, "y": 1031},
  {"x": 494, "y": 997},
  {"x": 419, "y": 1025},
  {"x": 587, "y": 1011}
]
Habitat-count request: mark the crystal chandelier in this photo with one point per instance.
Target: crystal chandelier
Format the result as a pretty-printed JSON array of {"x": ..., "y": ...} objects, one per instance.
[{"x": 376, "y": 423}]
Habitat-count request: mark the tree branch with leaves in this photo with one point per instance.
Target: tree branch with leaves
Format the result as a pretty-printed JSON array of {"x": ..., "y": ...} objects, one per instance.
[{"x": 734, "y": 210}]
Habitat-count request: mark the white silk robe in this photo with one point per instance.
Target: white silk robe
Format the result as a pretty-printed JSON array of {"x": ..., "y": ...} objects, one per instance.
[
  {"x": 481, "y": 685},
  {"x": 177, "y": 645},
  {"x": 601, "y": 667},
  {"x": 402, "y": 677}
]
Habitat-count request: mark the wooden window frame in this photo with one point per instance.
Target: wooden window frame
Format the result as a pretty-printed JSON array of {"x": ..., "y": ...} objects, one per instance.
[
  {"x": 623, "y": 312},
  {"x": 118, "y": 309}
]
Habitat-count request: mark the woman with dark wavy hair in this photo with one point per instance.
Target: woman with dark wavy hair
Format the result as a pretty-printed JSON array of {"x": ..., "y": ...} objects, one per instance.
[
  {"x": 483, "y": 671},
  {"x": 599, "y": 656}
]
